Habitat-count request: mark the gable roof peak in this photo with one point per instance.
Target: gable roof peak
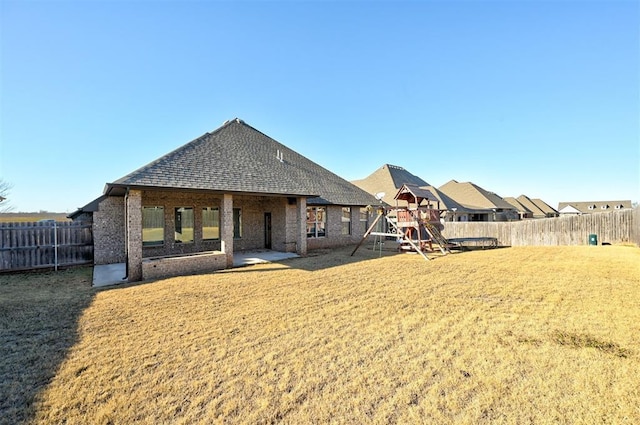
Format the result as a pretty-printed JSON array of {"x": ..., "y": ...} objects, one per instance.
[
  {"x": 395, "y": 167},
  {"x": 236, "y": 119}
]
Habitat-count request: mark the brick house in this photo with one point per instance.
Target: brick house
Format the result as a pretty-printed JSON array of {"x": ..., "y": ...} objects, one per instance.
[
  {"x": 483, "y": 204},
  {"x": 234, "y": 189},
  {"x": 590, "y": 207},
  {"x": 456, "y": 201}
]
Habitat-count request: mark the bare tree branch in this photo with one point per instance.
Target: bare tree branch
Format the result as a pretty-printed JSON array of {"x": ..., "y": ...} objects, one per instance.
[{"x": 5, "y": 188}]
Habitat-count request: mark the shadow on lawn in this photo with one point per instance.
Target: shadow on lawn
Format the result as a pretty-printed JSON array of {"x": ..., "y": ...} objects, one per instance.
[{"x": 39, "y": 313}]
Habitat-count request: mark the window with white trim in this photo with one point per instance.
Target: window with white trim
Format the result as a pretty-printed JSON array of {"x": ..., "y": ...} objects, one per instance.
[
  {"x": 210, "y": 223},
  {"x": 364, "y": 218},
  {"x": 152, "y": 226},
  {"x": 346, "y": 220},
  {"x": 184, "y": 225},
  {"x": 316, "y": 222}
]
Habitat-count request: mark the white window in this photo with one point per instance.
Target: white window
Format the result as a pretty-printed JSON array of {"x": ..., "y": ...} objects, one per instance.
[
  {"x": 184, "y": 225},
  {"x": 316, "y": 222},
  {"x": 364, "y": 219},
  {"x": 210, "y": 223},
  {"x": 346, "y": 220},
  {"x": 152, "y": 226}
]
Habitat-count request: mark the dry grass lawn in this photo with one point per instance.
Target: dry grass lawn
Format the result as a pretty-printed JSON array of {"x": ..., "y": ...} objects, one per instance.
[{"x": 517, "y": 335}]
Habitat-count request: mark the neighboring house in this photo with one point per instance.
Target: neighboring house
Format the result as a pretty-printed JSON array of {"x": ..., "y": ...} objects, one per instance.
[
  {"x": 234, "y": 189},
  {"x": 592, "y": 207},
  {"x": 531, "y": 208},
  {"x": 85, "y": 214},
  {"x": 523, "y": 211},
  {"x": 569, "y": 210},
  {"x": 487, "y": 206},
  {"x": 548, "y": 210},
  {"x": 390, "y": 178}
]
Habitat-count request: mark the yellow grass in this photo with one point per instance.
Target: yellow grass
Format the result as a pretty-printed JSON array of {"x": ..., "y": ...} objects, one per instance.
[
  {"x": 30, "y": 217},
  {"x": 518, "y": 335}
]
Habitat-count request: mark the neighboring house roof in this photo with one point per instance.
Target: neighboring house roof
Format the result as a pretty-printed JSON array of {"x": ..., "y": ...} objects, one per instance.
[
  {"x": 237, "y": 158},
  {"x": 446, "y": 203},
  {"x": 528, "y": 204},
  {"x": 90, "y": 207},
  {"x": 535, "y": 208},
  {"x": 518, "y": 206},
  {"x": 473, "y": 196},
  {"x": 594, "y": 206},
  {"x": 388, "y": 179},
  {"x": 568, "y": 209},
  {"x": 544, "y": 207}
]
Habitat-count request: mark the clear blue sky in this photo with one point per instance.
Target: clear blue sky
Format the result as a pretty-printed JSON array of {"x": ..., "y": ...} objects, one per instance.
[{"x": 538, "y": 98}]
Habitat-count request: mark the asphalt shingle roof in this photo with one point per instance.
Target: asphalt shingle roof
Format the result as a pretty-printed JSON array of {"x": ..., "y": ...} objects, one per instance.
[
  {"x": 238, "y": 158},
  {"x": 588, "y": 207},
  {"x": 546, "y": 208},
  {"x": 534, "y": 206},
  {"x": 518, "y": 205},
  {"x": 473, "y": 196},
  {"x": 388, "y": 179}
]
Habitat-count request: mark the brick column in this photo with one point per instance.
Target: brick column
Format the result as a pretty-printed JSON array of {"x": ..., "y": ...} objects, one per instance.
[
  {"x": 226, "y": 227},
  {"x": 301, "y": 233},
  {"x": 133, "y": 205}
]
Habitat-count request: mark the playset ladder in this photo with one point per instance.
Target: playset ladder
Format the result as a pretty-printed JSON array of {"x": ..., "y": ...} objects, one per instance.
[{"x": 435, "y": 234}]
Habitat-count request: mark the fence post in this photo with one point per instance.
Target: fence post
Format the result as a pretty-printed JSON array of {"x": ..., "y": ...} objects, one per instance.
[{"x": 55, "y": 246}]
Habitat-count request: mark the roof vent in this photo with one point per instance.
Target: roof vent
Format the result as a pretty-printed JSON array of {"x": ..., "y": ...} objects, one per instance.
[
  {"x": 280, "y": 155},
  {"x": 239, "y": 121}
]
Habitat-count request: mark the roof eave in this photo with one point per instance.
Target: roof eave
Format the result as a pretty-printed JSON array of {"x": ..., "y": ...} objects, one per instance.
[{"x": 118, "y": 189}]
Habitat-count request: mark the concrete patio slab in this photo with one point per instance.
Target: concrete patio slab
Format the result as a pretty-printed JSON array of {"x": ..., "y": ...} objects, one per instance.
[
  {"x": 114, "y": 274},
  {"x": 262, "y": 256},
  {"x": 109, "y": 274}
]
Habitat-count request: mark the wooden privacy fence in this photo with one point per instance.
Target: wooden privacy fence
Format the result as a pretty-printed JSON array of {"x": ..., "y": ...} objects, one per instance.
[
  {"x": 609, "y": 227},
  {"x": 26, "y": 246}
]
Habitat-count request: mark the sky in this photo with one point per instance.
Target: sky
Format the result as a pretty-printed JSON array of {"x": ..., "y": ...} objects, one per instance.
[{"x": 540, "y": 98}]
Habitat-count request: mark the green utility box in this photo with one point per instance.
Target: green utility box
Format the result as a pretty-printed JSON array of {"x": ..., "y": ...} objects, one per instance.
[{"x": 593, "y": 239}]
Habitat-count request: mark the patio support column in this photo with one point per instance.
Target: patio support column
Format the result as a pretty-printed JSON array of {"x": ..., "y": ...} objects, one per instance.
[
  {"x": 301, "y": 234},
  {"x": 133, "y": 206},
  {"x": 226, "y": 227}
]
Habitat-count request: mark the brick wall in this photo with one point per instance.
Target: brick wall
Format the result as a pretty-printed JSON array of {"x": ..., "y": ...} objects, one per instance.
[
  {"x": 334, "y": 236},
  {"x": 109, "y": 231},
  {"x": 253, "y": 221},
  {"x": 252, "y": 207},
  {"x": 161, "y": 267},
  {"x": 291, "y": 227},
  {"x": 170, "y": 201},
  {"x": 133, "y": 216}
]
